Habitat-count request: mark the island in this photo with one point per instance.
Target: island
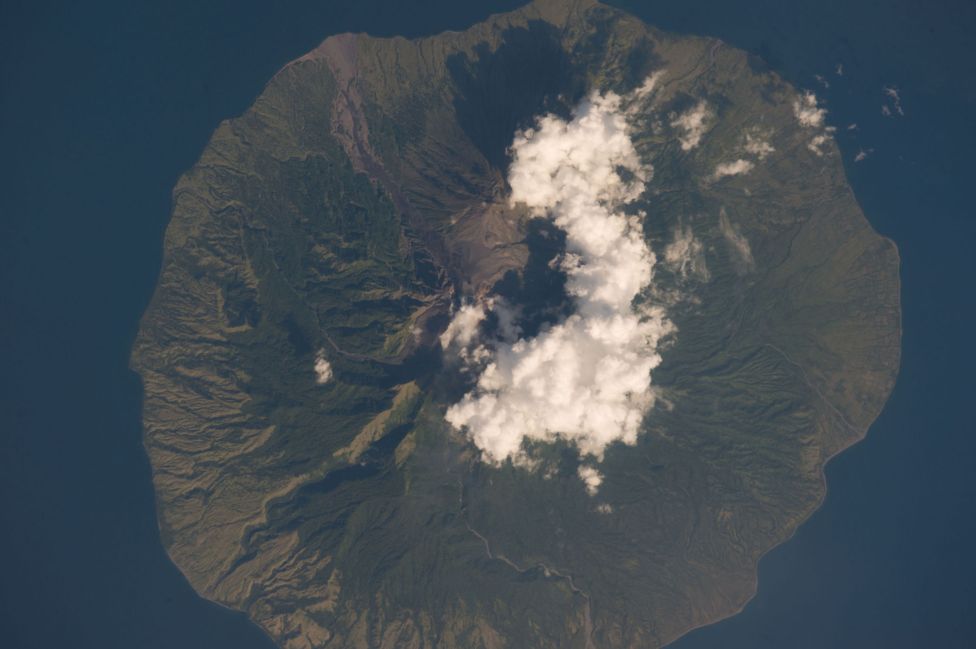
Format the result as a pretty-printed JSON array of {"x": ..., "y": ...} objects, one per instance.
[{"x": 538, "y": 334}]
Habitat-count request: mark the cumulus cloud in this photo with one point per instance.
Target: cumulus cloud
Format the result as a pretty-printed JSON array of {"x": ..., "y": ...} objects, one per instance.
[
  {"x": 757, "y": 146},
  {"x": 693, "y": 122},
  {"x": 808, "y": 112},
  {"x": 591, "y": 477},
  {"x": 685, "y": 255},
  {"x": 735, "y": 168},
  {"x": 464, "y": 326},
  {"x": 323, "y": 369},
  {"x": 810, "y": 115},
  {"x": 644, "y": 90},
  {"x": 462, "y": 334},
  {"x": 587, "y": 378},
  {"x": 816, "y": 144}
]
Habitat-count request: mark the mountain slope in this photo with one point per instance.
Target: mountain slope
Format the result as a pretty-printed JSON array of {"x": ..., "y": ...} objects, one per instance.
[{"x": 340, "y": 218}]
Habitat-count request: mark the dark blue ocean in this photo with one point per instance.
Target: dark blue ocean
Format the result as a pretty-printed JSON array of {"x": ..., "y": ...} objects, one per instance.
[{"x": 104, "y": 104}]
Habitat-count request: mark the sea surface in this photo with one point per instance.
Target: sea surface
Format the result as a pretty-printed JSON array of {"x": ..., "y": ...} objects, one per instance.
[{"x": 104, "y": 104}]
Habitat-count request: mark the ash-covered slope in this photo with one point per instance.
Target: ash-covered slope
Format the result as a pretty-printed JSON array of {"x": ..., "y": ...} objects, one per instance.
[{"x": 295, "y": 388}]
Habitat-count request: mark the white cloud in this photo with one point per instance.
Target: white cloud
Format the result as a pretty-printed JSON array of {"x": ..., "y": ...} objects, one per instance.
[
  {"x": 758, "y": 146},
  {"x": 586, "y": 379},
  {"x": 693, "y": 123},
  {"x": 818, "y": 141},
  {"x": 816, "y": 144},
  {"x": 464, "y": 326},
  {"x": 811, "y": 115},
  {"x": 685, "y": 254},
  {"x": 645, "y": 89},
  {"x": 737, "y": 241},
  {"x": 807, "y": 112},
  {"x": 462, "y": 333},
  {"x": 591, "y": 478},
  {"x": 323, "y": 369},
  {"x": 735, "y": 168}
]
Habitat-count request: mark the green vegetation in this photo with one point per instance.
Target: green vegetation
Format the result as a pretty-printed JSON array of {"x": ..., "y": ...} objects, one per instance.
[{"x": 341, "y": 216}]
